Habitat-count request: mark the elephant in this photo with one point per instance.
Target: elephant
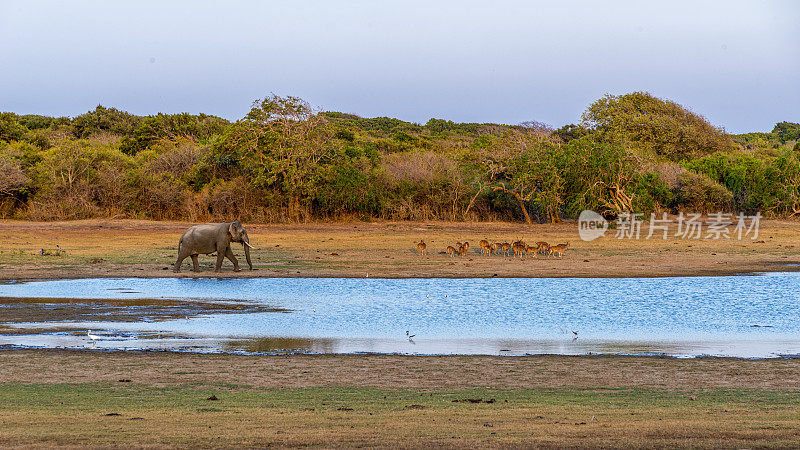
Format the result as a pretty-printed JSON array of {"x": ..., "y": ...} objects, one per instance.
[{"x": 213, "y": 237}]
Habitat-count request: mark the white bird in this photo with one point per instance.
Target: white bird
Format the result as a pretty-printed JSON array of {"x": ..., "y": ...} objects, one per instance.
[
  {"x": 410, "y": 336},
  {"x": 91, "y": 336}
]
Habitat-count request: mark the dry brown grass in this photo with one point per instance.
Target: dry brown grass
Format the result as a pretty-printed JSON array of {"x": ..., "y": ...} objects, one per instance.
[{"x": 384, "y": 249}]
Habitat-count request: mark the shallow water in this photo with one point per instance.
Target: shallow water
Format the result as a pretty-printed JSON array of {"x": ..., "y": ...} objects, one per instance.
[{"x": 746, "y": 316}]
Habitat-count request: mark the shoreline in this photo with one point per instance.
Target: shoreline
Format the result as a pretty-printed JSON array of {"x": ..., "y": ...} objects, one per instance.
[
  {"x": 787, "y": 269},
  {"x": 11, "y": 348}
]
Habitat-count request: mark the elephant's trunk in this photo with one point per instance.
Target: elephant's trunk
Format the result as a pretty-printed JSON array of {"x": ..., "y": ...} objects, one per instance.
[{"x": 247, "y": 247}]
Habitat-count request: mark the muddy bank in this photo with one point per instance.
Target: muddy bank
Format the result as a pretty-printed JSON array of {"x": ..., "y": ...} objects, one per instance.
[
  {"x": 22, "y": 310},
  {"x": 391, "y": 371}
]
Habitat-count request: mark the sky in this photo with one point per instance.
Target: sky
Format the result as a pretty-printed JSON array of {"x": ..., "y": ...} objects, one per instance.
[{"x": 735, "y": 62}]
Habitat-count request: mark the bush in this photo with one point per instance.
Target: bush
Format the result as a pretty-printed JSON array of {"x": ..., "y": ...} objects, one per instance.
[
  {"x": 77, "y": 180},
  {"x": 104, "y": 119},
  {"x": 36, "y": 122},
  {"x": 14, "y": 181},
  {"x": 171, "y": 127},
  {"x": 346, "y": 188},
  {"x": 570, "y": 132},
  {"x": 10, "y": 128},
  {"x": 656, "y": 125},
  {"x": 787, "y": 131},
  {"x": 698, "y": 192}
]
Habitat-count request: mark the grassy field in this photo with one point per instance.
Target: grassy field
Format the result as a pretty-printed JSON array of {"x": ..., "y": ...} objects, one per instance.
[
  {"x": 78, "y": 399},
  {"x": 383, "y": 249},
  {"x": 129, "y": 414}
]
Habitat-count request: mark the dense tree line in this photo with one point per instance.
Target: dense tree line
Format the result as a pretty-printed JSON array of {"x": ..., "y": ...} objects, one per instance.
[{"x": 285, "y": 161}]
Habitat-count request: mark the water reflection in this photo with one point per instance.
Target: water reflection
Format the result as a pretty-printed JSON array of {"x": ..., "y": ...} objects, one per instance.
[{"x": 277, "y": 345}]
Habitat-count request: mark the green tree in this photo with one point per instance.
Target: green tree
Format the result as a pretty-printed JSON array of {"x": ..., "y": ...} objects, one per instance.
[
  {"x": 105, "y": 119},
  {"x": 281, "y": 142},
  {"x": 10, "y": 128},
  {"x": 661, "y": 126},
  {"x": 787, "y": 131}
]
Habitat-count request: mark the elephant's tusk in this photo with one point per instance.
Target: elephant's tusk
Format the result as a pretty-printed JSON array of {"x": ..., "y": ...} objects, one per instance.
[{"x": 247, "y": 244}]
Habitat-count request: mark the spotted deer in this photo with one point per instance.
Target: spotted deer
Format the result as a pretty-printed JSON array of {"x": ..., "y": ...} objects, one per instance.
[
  {"x": 421, "y": 248},
  {"x": 543, "y": 248},
  {"x": 498, "y": 247},
  {"x": 559, "y": 249}
]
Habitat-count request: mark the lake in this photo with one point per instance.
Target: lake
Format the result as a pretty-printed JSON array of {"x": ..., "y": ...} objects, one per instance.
[{"x": 738, "y": 316}]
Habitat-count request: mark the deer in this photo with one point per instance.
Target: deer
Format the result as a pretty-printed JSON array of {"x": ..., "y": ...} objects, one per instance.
[
  {"x": 421, "y": 248},
  {"x": 530, "y": 249},
  {"x": 466, "y": 247},
  {"x": 559, "y": 249},
  {"x": 485, "y": 247},
  {"x": 498, "y": 247},
  {"x": 462, "y": 249},
  {"x": 518, "y": 248},
  {"x": 451, "y": 251},
  {"x": 506, "y": 247},
  {"x": 543, "y": 247}
]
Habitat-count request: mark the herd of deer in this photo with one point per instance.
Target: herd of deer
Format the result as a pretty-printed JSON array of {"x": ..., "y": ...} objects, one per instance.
[{"x": 519, "y": 249}]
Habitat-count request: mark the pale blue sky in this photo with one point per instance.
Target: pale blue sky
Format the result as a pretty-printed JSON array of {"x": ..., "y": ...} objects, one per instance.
[{"x": 736, "y": 62}]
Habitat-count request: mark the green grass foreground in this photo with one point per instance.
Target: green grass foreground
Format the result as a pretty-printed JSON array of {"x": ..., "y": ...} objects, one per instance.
[{"x": 128, "y": 414}]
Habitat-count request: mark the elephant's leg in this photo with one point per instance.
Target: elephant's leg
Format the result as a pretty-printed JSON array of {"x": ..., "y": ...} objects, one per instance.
[
  {"x": 220, "y": 258},
  {"x": 181, "y": 257},
  {"x": 229, "y": 255},
  {"x": 177, "y": 267},
  {"x": 195, "y": 263}
]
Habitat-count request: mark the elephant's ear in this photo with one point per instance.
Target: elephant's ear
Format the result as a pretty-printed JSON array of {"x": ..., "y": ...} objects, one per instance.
[{"x": 231, "y": 230}]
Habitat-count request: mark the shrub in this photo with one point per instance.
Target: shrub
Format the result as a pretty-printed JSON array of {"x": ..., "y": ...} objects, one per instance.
[
  {"x": 104, "y": 119},
  {"x": 570, "y": 132},
  {"x": 36, "y": 122},
  {"x": 13, "y": 178},
  {"x": 151, "y": 129},
  {"x": 346, "y": 188},
  {"x": 77, "y": 180},
  {"x": 10, "y": 128},
  {"x": 787, "y": 131},
  {"x": 698, "y": 192},
  {"x": 656, "y": 125}
]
